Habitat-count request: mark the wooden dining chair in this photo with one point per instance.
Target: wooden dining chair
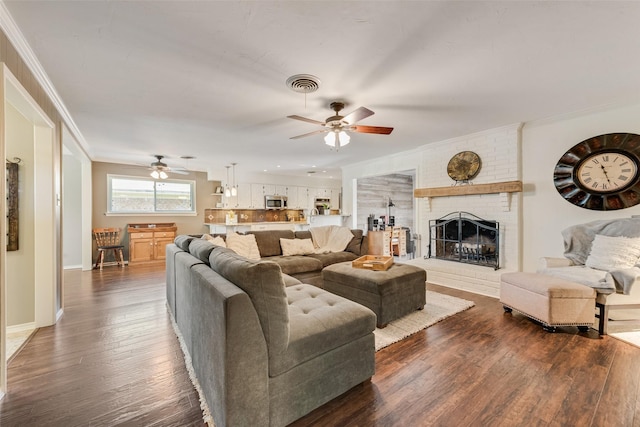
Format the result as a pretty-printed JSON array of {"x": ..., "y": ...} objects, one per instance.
[{"x": 108, "y": 239}]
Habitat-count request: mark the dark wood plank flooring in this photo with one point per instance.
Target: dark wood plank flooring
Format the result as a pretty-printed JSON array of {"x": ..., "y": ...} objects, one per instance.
[{"x": 113, "y": 360}]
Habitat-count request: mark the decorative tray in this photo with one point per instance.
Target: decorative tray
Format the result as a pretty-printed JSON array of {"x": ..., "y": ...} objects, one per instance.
[{"x": 373, "y": 262}]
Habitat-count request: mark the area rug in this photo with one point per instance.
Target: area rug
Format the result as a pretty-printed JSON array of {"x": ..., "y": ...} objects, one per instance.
[
  {"x": 437, "y": 308},
  {"x": 624, "y": 325}
]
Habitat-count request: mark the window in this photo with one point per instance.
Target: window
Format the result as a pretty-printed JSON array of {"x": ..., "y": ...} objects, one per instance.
[{"x": 132, "y": 195}]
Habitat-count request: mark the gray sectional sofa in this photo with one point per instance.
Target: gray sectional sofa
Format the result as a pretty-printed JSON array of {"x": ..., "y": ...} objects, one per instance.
[{"x": 266, "y": 348}]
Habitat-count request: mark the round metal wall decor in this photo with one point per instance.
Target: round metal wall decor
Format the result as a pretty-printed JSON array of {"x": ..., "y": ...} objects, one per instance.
[
  {"x": 464, "y": 166},
  {"x": 601, "y": 173}
]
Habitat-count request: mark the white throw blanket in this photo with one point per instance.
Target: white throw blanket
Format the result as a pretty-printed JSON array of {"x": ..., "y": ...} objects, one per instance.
[{"x": 330, "y": 238}]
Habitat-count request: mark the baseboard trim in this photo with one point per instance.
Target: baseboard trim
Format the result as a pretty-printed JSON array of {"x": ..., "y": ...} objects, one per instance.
[{"x": 21, "y": 328}]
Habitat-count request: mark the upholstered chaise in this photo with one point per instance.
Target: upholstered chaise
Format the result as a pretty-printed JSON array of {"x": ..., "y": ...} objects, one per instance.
[
  {"x": 617, "y": 285},
  {"x": 265, "y": 348}
]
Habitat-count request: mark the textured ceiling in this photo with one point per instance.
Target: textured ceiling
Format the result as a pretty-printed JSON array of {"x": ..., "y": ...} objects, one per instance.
[{"x": 207, "y": 79}]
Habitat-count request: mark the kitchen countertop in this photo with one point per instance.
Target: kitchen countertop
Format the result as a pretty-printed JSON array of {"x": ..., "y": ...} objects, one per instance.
[{"x": 258, "y": 222}]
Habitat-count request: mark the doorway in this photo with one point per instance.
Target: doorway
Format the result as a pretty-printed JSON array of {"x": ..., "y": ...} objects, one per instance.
[{"x": 28, "y": 275}]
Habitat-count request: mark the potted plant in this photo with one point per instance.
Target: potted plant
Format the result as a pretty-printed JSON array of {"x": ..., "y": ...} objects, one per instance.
[{"x": 326, "y": 209}]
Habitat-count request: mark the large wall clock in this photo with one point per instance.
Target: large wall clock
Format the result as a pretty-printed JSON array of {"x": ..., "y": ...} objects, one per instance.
[{"x": 601, "y": 173}]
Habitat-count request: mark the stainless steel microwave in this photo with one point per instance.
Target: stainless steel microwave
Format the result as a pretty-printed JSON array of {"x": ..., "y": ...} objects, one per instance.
[{"x": 275, "y": 202}]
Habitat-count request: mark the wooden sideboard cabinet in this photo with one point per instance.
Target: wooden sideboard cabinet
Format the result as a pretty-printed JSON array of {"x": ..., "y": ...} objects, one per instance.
[
  {"x": 147, "y": 242},
  {"x": 379, "y": 242}
]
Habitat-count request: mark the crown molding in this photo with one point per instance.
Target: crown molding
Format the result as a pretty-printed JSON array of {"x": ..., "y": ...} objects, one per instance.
[{"x": 13, "y": 33}]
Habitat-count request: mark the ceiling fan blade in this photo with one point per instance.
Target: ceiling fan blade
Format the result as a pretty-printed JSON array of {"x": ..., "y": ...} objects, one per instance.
[
  {"x": 372, "y": 129},
  {"x": 309, "y": 134},
  {"x": 357, "y": 115},
  {"x": 304, "y": 119}
]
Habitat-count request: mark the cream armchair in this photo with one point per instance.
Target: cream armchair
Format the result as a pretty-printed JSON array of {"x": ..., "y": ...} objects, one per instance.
[{"x": 617, "y": 284}]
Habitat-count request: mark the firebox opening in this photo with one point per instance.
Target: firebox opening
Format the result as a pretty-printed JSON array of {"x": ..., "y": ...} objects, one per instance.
[{"x": 466, "y": 238}]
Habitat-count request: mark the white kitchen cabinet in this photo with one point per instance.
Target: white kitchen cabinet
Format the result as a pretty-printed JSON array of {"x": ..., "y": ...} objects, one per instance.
[
  {"x": 257, "y": 196},
  {"x": 268, "y": 190},
  {"x": 292, "y": 197},
  {"x": 244, "y": 196},
  {"x": 280, "y": 190},
  {"x": 304, "y": 198}
]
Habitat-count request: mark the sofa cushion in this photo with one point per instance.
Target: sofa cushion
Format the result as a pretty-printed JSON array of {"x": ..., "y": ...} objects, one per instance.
[
  {"x": 244, "y": 245},
  {"x": 333, "y": 257},
  {"x": 306, "y": 234},
  {"x": 183, "y": 241},
  {"x": 201, "y": 249},
  {"x": 320, "y": 322},
  {"x": 296, "y": 246},
  {"x": 355, "y": 243},
  {"x": 262, "y": 281},
  {"x": 269, "y": 241},
  {"x": 217, "y": 240},
  {"x": 294, "y": 264},
  {"x": 290, "y": 280}
]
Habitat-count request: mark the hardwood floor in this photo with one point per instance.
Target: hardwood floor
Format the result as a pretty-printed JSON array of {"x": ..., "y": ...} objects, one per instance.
[{"x": 113, "y": 360}]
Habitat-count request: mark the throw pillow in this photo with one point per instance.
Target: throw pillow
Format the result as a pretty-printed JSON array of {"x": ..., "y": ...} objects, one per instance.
[
  {"x": 613, "y": 253},
  {"x": 296, "y": 246},
  {"x": 244, "y": 245},
  {"x": 218, "y": 241}
]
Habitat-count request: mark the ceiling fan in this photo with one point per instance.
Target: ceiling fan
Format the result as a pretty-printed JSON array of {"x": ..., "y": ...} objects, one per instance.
[
  {"x": 159, "y": 169},
  {"x": 336, "y": 126}
]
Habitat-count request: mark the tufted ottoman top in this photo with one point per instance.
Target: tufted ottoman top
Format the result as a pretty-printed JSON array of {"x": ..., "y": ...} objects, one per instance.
[{"x": 375, "y": 281}]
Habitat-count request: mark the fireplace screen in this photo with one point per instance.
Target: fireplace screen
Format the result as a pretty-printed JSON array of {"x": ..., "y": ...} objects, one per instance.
[{"x": 463, "y": 237}]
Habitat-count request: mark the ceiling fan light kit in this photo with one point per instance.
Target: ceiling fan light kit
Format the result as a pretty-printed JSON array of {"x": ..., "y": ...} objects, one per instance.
[
  {"x": 337, "y": 139},
  {"x": 337, "y": 126},
  {"x": 159, "y": 169}
]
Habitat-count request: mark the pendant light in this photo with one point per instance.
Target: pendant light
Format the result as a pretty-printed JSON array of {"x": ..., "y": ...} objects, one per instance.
[
  {"x": 227, "y": 191},
  {"x": 234, "y": 187}
]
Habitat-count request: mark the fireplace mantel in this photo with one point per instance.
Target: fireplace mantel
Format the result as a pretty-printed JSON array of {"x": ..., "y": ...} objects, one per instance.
[{"x": 470, "y": 189}]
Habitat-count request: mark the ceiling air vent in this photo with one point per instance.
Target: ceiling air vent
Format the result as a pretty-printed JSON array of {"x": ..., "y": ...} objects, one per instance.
[{"x": 303, "y": 83}]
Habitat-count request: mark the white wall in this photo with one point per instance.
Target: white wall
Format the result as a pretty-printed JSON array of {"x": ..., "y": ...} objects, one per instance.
[
  {"x": 545, "y": 212},
  {"x": 72, "y": 208},
  {"x": 20, "y": 263}
]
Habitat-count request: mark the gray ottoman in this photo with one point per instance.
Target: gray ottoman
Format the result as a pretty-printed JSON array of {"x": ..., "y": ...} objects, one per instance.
[{"x": 390, "y": 294}]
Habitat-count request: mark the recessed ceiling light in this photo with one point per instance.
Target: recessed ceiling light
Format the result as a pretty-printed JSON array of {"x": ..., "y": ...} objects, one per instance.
[
  {"x": 278, "y": 166},
  {"x": 324, "y": 171}
]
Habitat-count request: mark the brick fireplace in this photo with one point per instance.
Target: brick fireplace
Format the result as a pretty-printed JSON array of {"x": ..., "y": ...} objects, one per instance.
[{"x": 494, "y": 200}]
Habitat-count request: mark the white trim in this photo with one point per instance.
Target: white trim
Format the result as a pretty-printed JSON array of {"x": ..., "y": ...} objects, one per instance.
[
  {"x": 21, "y": 328},
  {"x": 17, "y": 39}
]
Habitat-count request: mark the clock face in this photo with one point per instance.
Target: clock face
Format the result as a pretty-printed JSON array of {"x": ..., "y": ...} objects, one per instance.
[
  {"x": 606, "y": 172},
  {"x": 601, "y": 173}
]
